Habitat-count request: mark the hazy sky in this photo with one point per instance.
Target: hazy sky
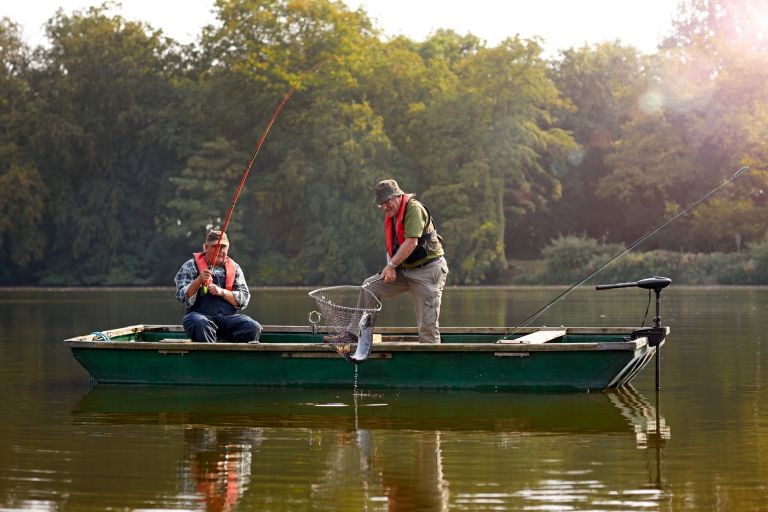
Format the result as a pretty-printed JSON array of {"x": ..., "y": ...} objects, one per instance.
[{"x": 562, "y": 23}]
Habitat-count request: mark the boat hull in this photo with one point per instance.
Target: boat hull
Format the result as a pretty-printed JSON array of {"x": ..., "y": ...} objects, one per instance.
[{"x": 583, "y": 359}]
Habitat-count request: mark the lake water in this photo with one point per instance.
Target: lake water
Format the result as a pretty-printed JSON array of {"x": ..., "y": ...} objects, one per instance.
[{"x": 701, "y": 443}]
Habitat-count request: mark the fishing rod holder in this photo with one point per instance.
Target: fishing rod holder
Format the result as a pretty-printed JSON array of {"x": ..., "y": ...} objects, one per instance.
[{"x": 657, "y": 333}]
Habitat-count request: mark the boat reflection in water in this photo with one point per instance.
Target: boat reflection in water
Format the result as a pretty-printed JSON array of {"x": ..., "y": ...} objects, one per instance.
[
  {"x": 414, "y": 450},
  {"x": 651, "y": 430}
]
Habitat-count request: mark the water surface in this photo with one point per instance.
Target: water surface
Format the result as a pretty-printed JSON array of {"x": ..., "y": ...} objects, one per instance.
[{"x": 700, "y": 444}]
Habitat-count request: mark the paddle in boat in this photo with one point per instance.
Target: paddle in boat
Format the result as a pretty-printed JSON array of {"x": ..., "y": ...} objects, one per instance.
[{"x": 491, "y": 358}]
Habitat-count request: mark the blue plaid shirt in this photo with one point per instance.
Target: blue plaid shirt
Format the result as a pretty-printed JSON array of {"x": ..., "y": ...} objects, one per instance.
[{"x": 188, "y": 273}]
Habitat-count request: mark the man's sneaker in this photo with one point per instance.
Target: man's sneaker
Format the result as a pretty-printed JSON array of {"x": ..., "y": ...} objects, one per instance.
[{"x": 344, "y": 337}]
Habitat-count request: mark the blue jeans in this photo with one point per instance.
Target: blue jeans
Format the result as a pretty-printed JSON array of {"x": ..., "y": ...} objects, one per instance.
[{"x": 232, "y": 328}]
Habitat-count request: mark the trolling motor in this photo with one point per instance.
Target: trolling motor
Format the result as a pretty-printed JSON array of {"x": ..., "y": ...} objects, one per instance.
[
  {"x": 655, "y": 283},
  {"x": 657, "y": 333}
]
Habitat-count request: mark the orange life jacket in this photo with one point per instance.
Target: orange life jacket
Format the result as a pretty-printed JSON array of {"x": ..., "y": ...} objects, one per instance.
[
  {"x": 229, "y": 268},
  {"x": 421, "y": 250},
  {"x": 399, "y": 227}
]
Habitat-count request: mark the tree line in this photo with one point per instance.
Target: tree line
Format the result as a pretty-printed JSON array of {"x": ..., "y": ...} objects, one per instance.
[{"x": 120, "y": 147}]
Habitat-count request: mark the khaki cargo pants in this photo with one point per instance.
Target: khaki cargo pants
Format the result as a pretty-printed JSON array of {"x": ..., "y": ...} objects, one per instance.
[{"x": 426, "y": 287}]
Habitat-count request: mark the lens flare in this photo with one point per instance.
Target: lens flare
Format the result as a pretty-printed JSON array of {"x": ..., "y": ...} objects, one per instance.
[{"x": 651, "y": 101}]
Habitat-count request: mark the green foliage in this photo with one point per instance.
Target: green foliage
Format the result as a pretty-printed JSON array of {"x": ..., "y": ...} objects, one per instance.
[
  {"x": 757, "y": 264},
  {"x": 275, "y": 269},
  {"x": 495, "y": 154},
  {"x": 570, "y": 258},
  {"x": 14, "y": 90},
  {"x": 601, "y": 86},
  {"x": 700, "y": 119},
  {"x": 203, "y": 191},
  {"x": 119, "y": 148},
  {"x": 22, "y": 204},
  {"x": 105, "y": 141}
]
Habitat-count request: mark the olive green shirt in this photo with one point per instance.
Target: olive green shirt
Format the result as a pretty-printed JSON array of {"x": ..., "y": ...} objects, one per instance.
[{"x": 415, "y": 220}]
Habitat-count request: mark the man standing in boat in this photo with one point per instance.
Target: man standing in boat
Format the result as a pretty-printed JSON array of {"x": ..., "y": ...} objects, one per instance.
[
  {"x": 415, "y": 257},
  {"x": 212, "y": 293},
  {"x": 415, "y": 260}
]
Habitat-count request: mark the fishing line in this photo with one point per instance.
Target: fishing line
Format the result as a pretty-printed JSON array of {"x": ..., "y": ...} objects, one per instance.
[{"x": 637, "y": 242}]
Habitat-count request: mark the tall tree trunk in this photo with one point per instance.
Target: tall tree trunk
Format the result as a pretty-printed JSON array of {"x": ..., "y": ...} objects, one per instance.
[{"x": 502, "y": 225}]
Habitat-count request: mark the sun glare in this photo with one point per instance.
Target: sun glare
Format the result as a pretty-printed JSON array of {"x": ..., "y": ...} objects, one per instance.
[{"x": 761, "y": 24}]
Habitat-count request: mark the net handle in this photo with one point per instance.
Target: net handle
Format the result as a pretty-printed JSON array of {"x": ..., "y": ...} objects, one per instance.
[{"x": 369, "y": 283}]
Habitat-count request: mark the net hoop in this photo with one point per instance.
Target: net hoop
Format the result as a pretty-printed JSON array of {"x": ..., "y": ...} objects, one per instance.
[
  {"x": 343, "y": 306},
  {"x": 321, "y": 297}
]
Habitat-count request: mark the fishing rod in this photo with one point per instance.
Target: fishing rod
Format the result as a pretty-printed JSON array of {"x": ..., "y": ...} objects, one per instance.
[
  {"x": 258, "y": 148},
  {"x": 618, "y": 255}
]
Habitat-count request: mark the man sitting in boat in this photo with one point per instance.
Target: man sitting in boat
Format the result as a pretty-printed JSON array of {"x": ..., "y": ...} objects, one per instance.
[{"x": 212, "y": 293}]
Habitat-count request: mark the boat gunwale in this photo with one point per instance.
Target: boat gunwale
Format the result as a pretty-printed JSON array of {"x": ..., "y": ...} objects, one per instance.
[
  {"x": 88, "y": 341},
  {"x": 384, "y": 346},
  {"x": 303, "y": 329}
]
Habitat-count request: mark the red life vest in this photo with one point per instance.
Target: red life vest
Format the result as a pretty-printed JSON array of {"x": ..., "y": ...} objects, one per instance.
[
  {"x": 229, "y": 268},
  {"x": 399, "y": 226}
]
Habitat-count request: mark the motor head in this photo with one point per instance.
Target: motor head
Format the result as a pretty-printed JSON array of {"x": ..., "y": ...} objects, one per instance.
[{"x": 654, "y": 283}]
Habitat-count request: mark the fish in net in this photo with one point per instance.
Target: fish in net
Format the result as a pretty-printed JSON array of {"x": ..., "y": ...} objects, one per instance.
[{"x": 350, "y": 313}]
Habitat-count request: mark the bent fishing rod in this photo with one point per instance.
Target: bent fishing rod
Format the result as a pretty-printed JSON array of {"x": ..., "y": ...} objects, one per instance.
[
  {"x": 258, "y": 148},
  {"x": 618, "y": 255}
]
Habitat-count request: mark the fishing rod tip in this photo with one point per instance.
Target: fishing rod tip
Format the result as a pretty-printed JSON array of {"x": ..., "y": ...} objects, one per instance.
[{"x": 738, "y": 173}]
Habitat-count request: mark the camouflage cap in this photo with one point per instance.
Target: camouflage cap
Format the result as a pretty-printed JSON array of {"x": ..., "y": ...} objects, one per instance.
[{"x": 386, "y": 189}]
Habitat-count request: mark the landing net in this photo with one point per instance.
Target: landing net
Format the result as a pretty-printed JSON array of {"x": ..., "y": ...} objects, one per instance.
[{"x": 342, "y": 307}]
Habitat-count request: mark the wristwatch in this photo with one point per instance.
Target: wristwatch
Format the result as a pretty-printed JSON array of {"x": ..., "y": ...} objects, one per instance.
[{"x": 392, "y": 265}]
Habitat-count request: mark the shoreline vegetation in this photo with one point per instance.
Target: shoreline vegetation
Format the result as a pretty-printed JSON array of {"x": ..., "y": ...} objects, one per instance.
[
  {"x": 569, "y": 259},
  {"x": 120, "y": 148}
]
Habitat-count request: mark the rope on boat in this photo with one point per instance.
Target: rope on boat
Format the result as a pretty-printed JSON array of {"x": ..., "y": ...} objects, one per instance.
[{"x": 100, "y": 336}]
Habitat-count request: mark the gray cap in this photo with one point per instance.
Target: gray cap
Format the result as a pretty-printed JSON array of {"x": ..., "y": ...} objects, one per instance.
[
  {"x": 386, "y": 189},
  {"x": 213, "y": 236}
]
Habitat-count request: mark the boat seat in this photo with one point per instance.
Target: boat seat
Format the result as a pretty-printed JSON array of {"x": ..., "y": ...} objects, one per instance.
[{"x": 537, "y": 338}]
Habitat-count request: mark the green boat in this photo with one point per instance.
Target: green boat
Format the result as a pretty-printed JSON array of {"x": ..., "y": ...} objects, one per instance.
[
  {"x": 476, "y": 358},
  {"x": 577, "y": 358}
]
